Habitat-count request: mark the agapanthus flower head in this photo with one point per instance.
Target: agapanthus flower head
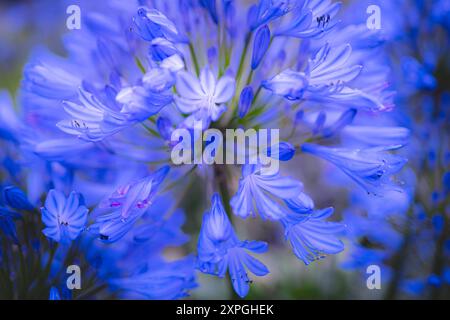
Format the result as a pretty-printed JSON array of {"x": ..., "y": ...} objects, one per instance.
[
  {"x": 64, "y": 218},
  {"x": 101, "y": 118}
]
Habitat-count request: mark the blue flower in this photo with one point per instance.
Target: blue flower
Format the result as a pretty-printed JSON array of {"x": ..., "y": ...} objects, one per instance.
[
  {"x": 64, "y": 218},
  {"x": 139, "y": 103},
  {"x": 371, "y": 168},
  {"x": 219, "y": 249},
  {"x": 136, "y": 267},
  {"x": 52, "y": 77},
  {"x": 301, "y": 204},
  {"x": 203, "y": 98},
  {"x": 159, "y": 280},
  {"x": 266, "y": 11},
  {"x": 158, "y": 80},
  {"x": 331, "y": 74},
  {"x": 371, "y": 136},
  {"x": 327, "y": 78},
  {"x": 10, "y": 125},
  {"x": 311, "y": 238},
  {"x": 259, "y": 192},
  {"x": 289, "y": 84},
  {"x": 117, "y": 214},
  {"x": 54, "y": 294},
  {"x": 93, "y": 120},
  {"x": 151, "y": 24},
  {"x": 310, "y": 19},
  {"x": 162, "y": 49}
]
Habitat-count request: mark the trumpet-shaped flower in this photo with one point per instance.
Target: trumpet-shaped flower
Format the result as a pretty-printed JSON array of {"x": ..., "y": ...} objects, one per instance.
[
  {"x": 310, "y": 19},
  {"x": 289, "y": 84},
  {"x": 371, "y": 168},
  {"x": 261, "y": 193},
  {"x": 311, "y": 237},
  {"x": 219, "y": 249},
  {"x": 327, "y": 79},
  {"x": 151, "y": 24},
  {"x": 159, "y": 280},
  {"x": 117, "y": 214},
  {"x": 266, "y": 11}
]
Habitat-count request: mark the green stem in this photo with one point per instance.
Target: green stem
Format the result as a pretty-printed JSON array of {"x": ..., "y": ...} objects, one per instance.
[
  {"x": 399, "y": 261},
  {"x": 221, "y": 177},
  {"x": 92, "y": 291},
  {"x": 439, "y": 258},
  {"x": 140, "y": 65},
  {"x": 153, "y": 132},
  {"x": 250, "y": 77},
  {"x": 243, "y": 55},
  {"x": 194, "y": 58}
]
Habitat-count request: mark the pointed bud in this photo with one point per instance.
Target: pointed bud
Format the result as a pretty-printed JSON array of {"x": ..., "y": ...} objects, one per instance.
[
  {"x": 16, "y": 198},
  {"x": 260, "y": 45},
  {"x": 164, "y": 126},
  {"x": 245, "y": 101},
  {"x": 283, "y": 151}
]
